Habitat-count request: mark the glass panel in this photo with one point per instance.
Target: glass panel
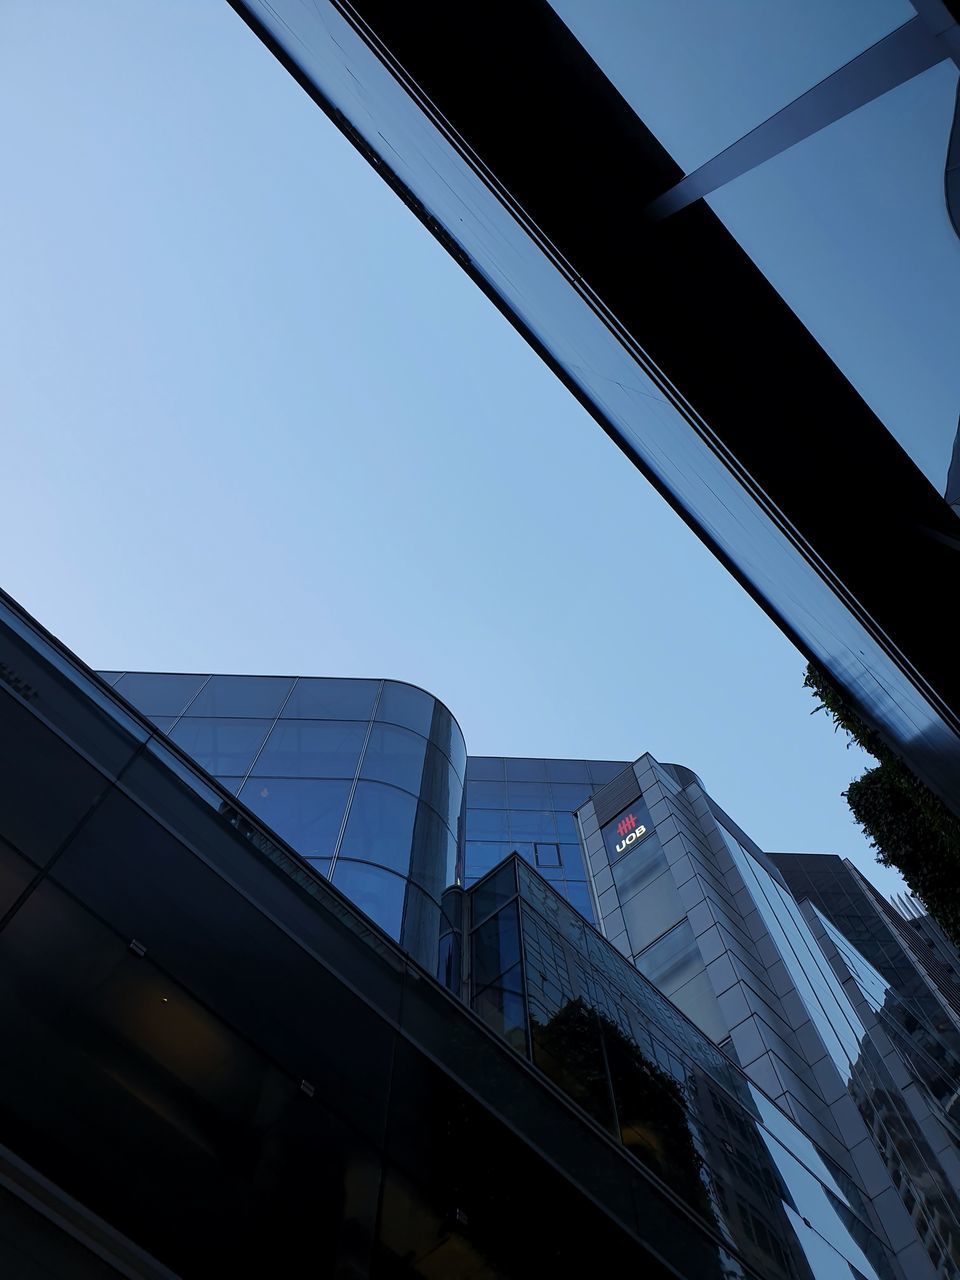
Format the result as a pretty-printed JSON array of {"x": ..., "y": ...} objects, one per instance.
[
  {"x": 484, "y": 856},
  {"x": 486, "y": 795},
  {"x": 578, "y": 895},
  {"x": 163, "y": 723},
  {"x": 673, "y": 960},
  {"x": 495, "y": 891},
  {"x": 567, "y": 829},
  {"x": 521, "y": 770},
  {"x": 573, "y": 771},
  {"x": 306, "y": 812},
  {"x": 548, "y": 855},
  {"x": 487, "y": 824},
  {"x": 378, "y": 893},
  {"x": 314, "y": 698},
  {"x": 242, "y": 696},
  {"x": 394, "y": 755},
  {"x": 110, "y": 677},
  {"x": 159, "y": 695},
  {"x": 529, "y": 795},
  {"x": 404, "y": 705},
  {"x": 496, "y": 946},
  {"x": 485, "y": 768},
  {"x": 441, "y": 786},
  {"x": 850, "y": 227},
  {"x": 220, "y": 746},
  {"x": 380, "y": 826},
  {"x": 313, "y": 749},
  {"x": 533, "y": 826},
  {"x": 569, "y": 796},
  {"x": 501, "y": 1007},
  {"x": 572, "y": 859}
]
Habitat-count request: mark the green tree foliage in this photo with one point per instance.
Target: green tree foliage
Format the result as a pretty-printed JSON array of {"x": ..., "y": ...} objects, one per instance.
[{"x": 910, "y": 827}]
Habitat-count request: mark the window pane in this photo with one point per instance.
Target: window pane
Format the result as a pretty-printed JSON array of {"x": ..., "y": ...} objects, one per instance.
[
  {"x": 650, "y": 911},
  {"x": 496, "y": 946},
  {"x": 486, "y": 795},
  {"x": 441, "y": 786},
  {"x": 568, "y": 796},
  {"x": 242, "y": 696},
  {"x": 487, "y": 824},
  {"x": 378, "y": 893},
  {"x": 403, "y": 704},
  {"x": 313, "y": 749},
  {"x": 568, "y": 771},
  {"x": 163, "y": 723},
  {"x": 533, "y": 826},
  {"x": 578, "y": 895},
  {"x": 548, "y": 855},
  {"x": 500, "y": 888},
  {"x": 485, "y": 768},
  {"x": 220, "y": 746},
  {"x": 572, "y": 859},
  {"x": 320, "y": 699},
  {"x": 394, "y": 755},
  {"x": 159, "y": 695},
  {"x": 529, "y": 795},
  {"x": 501, "y": 1007},
  {"x": 305, "y": 812},
  {"x": 380, "y": 826},
  {"x": 482, "y": 857},
  {"x": 519, "y": 770}
]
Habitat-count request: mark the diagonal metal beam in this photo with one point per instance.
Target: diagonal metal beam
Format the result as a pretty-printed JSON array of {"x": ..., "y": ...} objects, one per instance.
[{"x": 898, "y": 57}]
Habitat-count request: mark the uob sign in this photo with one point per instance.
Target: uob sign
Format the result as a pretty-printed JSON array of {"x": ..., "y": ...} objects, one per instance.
[{"x": 630, "y": 831}]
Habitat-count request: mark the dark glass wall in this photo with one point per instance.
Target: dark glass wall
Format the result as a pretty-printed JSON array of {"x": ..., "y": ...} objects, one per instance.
[
  {"x": 364, "y": 778},
  {"x": 526, "y": 806},
  {"x": 564, "y": 997}
]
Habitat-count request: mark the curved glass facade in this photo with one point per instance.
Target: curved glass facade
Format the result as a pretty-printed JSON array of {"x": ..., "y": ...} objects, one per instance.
[{"x": 364, "y": 778}]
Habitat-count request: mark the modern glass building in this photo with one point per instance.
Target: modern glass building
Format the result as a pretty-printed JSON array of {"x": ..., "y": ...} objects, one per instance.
[
  {"x": 214, "y": 1063},
  {"x": 678, "y": 894},
  {"x": 731, "y": 230},
  {"x": 364, "y": 778}
]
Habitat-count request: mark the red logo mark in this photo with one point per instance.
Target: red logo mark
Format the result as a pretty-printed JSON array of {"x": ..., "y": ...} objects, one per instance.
[{"x": 626, "y": 824}]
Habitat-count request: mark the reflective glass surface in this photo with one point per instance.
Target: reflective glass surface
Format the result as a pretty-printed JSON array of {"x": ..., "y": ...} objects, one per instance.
[
  {"x": 851, "y": 229},
  {"x": 405, "y": 705},
  {"x": 312, "y": 749},
  {"x": 306, "y": 812},
  {"x": 623, "y": 1053},
  {"x": 220, "y": 746},
  {"x": 242, "y": 696},
  {"x": 380, "y": 827},
  {"x": 316, "y": 698},
  {"x": 377, "y": 892},
  {"x": 394, "y": 755},
  {"x": 701, "y": 75},
  {"x": 159, "y": 695}
]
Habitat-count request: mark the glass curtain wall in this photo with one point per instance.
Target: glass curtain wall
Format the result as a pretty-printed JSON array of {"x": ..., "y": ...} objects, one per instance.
[{"x": 364, "y": 778}]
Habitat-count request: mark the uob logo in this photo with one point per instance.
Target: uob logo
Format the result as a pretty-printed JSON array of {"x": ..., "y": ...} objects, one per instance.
[{"x": 627, "y": 827}]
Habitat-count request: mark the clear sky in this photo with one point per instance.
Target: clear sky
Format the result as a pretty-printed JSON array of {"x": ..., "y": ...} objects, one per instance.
[{"x": 255, "y": 419}]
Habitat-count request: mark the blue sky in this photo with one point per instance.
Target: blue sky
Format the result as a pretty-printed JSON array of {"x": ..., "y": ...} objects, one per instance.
[{"x": 255, "y": 419}]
